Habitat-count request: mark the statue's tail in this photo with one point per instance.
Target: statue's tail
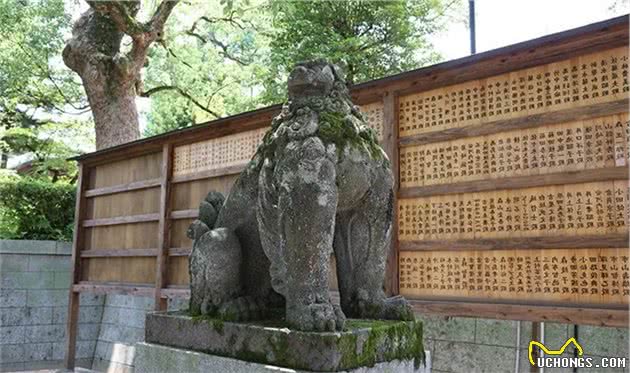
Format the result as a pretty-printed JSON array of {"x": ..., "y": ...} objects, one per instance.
[
  {"x": 215, "y": 259},
  {"x": 209, "y": 210}
]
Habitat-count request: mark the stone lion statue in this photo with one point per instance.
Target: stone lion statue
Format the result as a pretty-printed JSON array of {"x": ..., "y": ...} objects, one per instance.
[{"x": 318, "y": 184}]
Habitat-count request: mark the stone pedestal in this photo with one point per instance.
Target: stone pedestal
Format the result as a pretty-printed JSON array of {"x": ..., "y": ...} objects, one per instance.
[
  {"x": 151, "y": 358},
  {"x": 177, "y": 342}
]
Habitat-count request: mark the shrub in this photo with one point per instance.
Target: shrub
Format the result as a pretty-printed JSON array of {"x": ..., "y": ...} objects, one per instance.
[{"x": 36, "y": 209}]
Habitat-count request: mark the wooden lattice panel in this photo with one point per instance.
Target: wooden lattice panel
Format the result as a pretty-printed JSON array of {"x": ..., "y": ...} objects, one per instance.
[
  {"x": 217, "y": 153},
  {"x": 129, "y": 170},
  {"x": 565, "y": 210},
  {"x": 589, "y": 79},
  {"x": 575, "y": 276},
  {"x": 589, "y": 144},
  {"x": 374, "y": 116}
]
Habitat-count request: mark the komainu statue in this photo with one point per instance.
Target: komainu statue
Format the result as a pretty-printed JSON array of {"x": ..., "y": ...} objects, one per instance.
[{"x": 319, "y": 183}]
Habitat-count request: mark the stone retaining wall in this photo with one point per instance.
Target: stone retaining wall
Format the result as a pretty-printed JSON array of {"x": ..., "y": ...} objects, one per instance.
[
  {"x": 34, "y": 282},
  {"x": 481, "y": 345}
]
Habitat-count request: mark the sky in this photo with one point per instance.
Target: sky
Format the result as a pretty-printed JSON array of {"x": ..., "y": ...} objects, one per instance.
[{"x": 504, "y": 22}]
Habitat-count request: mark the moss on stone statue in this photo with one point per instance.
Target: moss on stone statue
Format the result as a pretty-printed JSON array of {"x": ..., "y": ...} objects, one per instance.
[
  {"x": 380, "y": 331},
  {"x": 216, "y": 323},
  {"x": 333, "y": 129},
  {"x": 385, "y": 340}
]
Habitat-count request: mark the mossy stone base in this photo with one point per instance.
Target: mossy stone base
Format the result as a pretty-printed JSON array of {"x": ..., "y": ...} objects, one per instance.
[
  {"x": 151, "y": 358},
  {"x": 363, "y": 344}
]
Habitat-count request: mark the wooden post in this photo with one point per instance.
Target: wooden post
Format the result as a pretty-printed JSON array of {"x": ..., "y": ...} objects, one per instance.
[
  {"x": 161, "y": 274},
  {"x": 390, "y": 145},
  {"x": 77, "y": 246},
  {"x": 536, "y": 334}
]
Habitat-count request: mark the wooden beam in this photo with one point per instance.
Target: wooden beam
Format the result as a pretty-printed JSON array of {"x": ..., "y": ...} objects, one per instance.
[
  {"x": 118, "y": 253},
  {"x": 617, "y": 240},
  {"x": 527, "y": 121},
  {"x": 129, "y": 219},
  {"x": 223, "y": 171},
  {"x": 180, "y": 292},
  {"x": 179, "y": 251},
  {"x": 77, "y": 243},
  {"x": 161, "y": 274},
  {"x": 141, "y": 290},
  {"x": 136, "y": 185},
  {"x": 517, "y": 182},
  {"x": 536, "y": 334},
  {"x": 390, "y": 145},
  {"x": 184, "y": 214},
  {"x": 221, "y": 127},
  {"x": 569, "y": 315}
]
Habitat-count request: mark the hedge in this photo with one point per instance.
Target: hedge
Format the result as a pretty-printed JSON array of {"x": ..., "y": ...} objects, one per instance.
[{"x": 36, "y": 209}]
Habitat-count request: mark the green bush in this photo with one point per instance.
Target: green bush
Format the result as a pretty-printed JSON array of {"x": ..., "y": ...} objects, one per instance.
[{"x": 36, "y": 209}]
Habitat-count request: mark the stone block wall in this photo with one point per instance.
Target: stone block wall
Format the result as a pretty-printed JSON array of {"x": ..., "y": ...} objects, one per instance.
[
  {"x": 481, "y": 345},
  {"x": 34, "y": 283},
  {"x": 121, "y": 327}
]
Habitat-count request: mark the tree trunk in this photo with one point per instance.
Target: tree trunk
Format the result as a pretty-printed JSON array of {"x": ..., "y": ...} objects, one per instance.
[
  {"x": 4, "y": 159},
  {"x": 114, "y": 110},
  {"x": 108, "y": 78}
]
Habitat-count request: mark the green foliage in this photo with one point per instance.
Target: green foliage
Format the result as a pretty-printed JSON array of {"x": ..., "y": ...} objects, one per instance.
[
  {"x": 33, "y": 79},
  {"x": 49, "y": 146},
  {"x": 236, "y": 57},
  {"x": 36, "y": 209},
  {"x": 211, "y": 54},
  {"x": 370, "y": 39}
]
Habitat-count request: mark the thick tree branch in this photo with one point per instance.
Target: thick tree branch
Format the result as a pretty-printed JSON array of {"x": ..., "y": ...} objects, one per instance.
[
  {"x": 155, "y": 29},
  {"x": 134, "y": 60},
  {"x": 181, "y": 92},
  {"x": 160, "y": 16},
  {"x": 123, "y": 14}
]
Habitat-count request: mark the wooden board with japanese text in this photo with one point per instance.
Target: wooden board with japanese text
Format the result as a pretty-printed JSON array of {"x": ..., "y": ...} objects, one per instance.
[{"x": 514, "y": 188}]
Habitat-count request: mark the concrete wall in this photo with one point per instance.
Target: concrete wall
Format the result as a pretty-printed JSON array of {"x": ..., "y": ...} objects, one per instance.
[
  {"x": 34, "y": 283},
  {"x": 481, "y": 345}
]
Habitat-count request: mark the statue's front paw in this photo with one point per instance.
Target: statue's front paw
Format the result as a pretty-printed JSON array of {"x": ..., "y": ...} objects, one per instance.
[
  {"x": 316, "y": 317},
  {"x": 242, "y": 309},
  {"x": 397, "y": 308},
  {"x": 394, "y": 308}
]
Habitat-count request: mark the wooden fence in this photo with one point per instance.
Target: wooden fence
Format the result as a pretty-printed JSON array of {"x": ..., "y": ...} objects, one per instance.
[{"x": 511, "y": 195}]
